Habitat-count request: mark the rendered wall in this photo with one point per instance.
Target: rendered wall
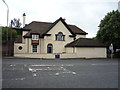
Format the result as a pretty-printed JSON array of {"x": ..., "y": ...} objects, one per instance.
[
  {"x": 45, "y": 56},
  {"x": 80, "y": 36},
  {"x": 17, "y": 50},
  {"x": 70, "y": 50},
  {"x": 58, "y": 46},
  {"x": 91, "y": 52},
  {"x": 23, "y": 33},
  {"x": 48, "y": 56}
]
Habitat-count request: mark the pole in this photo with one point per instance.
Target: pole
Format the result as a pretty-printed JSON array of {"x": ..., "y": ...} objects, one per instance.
[
  {"x": 11, "y": 41},
  {"x": 7, "y": 27}
]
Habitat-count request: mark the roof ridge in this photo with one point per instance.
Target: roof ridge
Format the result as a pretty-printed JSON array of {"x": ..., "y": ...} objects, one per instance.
[
  {"x": 71, "y": 25},
  {"x": 37, "y": 22}
]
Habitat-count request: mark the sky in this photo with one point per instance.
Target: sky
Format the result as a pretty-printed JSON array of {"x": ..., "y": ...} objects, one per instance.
[{"x": 86, "y": 14}]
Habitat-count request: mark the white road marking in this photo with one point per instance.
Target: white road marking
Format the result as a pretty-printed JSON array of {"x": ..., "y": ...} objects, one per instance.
[
  {"x": 104, "y": 64},
  {"x": 74, "y": 73},
  {"x": 56, "y": 73},
  {"x": 59, "y": 69},
  {"x": 19, "y": 78},
  {"x": 12, "y": 65},
  {"x": 48, "y": 65},
  {"x": 93, "y": 64},
  {"x": 32, "y": 70},
  {"x": 34, "y": 74}
]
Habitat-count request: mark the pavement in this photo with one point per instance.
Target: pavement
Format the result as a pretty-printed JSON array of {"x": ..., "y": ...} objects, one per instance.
[{"x": 74, "y": 73}]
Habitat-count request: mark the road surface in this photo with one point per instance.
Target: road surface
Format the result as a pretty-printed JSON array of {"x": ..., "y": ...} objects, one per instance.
[{"x": 37, "y": 73}]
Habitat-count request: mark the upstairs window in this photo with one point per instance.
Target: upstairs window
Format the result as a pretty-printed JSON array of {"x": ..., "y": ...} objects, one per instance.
[
  {"x": 60, "y": 36},
  {"x": 35, "y": 37}
]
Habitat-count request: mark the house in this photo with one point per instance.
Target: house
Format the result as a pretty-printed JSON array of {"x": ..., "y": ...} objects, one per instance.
[{"x": 56, "y": 40}]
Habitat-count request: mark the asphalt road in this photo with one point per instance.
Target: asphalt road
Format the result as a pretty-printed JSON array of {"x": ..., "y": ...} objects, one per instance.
[{"x": 36, "y": 73}]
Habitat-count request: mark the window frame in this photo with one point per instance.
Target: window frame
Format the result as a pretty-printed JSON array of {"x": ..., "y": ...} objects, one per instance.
[
  {"x": 35, "y": 37},
  {"x": 60, "y": 36},
  {"x": 34, "y": 48}
]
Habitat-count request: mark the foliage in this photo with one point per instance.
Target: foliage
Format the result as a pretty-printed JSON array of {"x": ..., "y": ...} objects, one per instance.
[
  {"x": 7, "y": 36},
  {"x": 117, "y": 55},
  {"x": 109, "y": 28},
  {"x": 94, "y": 38}
]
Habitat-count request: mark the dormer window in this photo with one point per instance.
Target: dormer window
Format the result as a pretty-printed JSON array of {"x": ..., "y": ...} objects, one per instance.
[
  {"x": 60, "y": 36},
  {"x": 35, "y": 37}
]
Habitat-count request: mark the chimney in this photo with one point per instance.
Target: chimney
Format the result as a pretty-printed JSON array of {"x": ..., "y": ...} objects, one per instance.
[{"x": 24, "y": 15}]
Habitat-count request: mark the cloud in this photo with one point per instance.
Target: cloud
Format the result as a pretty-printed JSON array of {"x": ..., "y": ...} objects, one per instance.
[{"x": 84, "y": 14}]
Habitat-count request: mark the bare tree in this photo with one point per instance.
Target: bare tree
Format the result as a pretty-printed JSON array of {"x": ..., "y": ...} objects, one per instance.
[{"x": 15, "y": 23}]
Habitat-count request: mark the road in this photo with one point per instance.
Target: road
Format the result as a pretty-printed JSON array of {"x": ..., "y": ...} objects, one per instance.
[{"x": 37, "y": 73}]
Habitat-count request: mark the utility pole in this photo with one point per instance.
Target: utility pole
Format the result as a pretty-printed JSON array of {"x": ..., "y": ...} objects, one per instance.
[{"x": 119, "y": 6}]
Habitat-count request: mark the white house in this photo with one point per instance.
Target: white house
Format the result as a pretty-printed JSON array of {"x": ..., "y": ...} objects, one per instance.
[{"x": 56, "y": 40}]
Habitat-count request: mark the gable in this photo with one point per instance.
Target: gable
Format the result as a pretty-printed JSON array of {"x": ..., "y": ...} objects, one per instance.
[{"x": 59, "y": 27}]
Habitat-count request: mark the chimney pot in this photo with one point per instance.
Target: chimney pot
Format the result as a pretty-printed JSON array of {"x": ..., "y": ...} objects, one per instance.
[{"x": 24, "y": 14}]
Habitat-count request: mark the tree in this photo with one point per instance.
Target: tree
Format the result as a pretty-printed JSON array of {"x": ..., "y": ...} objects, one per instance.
[
  {"x": 7, "y": 36},
  {"x": 109, "y": 29},
  {"x": 15, "y": 23}
]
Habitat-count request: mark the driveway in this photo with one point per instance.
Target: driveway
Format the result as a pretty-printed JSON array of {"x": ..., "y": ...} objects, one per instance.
[{"x": 78, "y": 73}]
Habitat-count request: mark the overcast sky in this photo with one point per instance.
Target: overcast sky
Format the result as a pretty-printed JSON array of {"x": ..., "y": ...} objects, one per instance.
[{"x": 86, "y": 14}]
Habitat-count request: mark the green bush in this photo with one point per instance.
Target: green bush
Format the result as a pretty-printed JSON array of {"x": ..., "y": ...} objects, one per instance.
[
  {"x": 117, "y": 55},
  {"x": 7, "y": 34}
]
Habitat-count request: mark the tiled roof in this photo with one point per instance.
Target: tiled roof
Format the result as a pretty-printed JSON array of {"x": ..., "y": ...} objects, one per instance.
[
  {"x": 77, "y": 30},
  {"x": 85, "y": 42},
  {"x": 37, "y": 27},
  {"x": 43, "y": 27}
]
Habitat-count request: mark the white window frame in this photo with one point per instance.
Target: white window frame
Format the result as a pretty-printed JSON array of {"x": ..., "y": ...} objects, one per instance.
[
  {"x": 60, "y": 37},
  {"x": 34, "y": 49},
  {"x": 35, "y": 37}
]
